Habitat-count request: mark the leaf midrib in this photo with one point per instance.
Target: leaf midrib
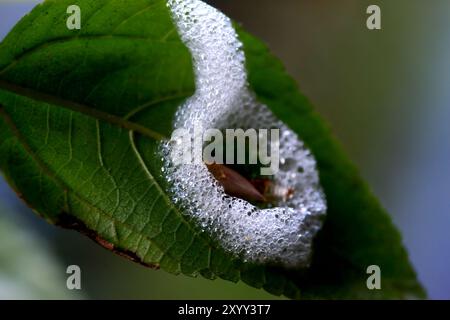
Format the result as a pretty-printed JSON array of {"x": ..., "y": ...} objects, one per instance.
[{"x": 123, "y": 122}]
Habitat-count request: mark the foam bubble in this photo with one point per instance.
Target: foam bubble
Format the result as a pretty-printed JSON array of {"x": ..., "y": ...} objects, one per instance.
[{"x": 282, "y": 234}]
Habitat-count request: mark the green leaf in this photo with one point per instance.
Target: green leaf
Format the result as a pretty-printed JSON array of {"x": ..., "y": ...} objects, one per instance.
[{"x": 82, "y": 113}]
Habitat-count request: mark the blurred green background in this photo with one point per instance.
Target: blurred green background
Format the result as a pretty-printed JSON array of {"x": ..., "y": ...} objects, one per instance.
[{"x": 385, "y": 94}]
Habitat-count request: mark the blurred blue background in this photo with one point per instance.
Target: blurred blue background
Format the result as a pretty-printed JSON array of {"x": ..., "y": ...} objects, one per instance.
[{"x": 386, "y": 95}]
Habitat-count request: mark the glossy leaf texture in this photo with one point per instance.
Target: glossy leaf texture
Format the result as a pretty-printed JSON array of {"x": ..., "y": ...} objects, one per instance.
[{"x": 82, "y": 113}]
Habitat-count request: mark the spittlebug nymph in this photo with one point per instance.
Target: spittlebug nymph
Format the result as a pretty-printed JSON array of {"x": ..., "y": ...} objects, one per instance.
[
  {"x": 253, "y": 190},
  {"x": 235, "y": 184}
]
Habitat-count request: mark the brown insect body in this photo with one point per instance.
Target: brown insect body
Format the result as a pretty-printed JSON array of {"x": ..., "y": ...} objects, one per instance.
[
  {"x": 254, "y": 190},
  {"x": 235, "y": 184}
]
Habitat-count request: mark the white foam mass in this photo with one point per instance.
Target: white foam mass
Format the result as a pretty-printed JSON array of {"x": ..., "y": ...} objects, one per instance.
[{"x": 282, "y": 234}]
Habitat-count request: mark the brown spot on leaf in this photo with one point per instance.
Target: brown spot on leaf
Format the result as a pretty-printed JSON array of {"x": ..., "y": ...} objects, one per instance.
[{"x": 67, "y": 221}]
